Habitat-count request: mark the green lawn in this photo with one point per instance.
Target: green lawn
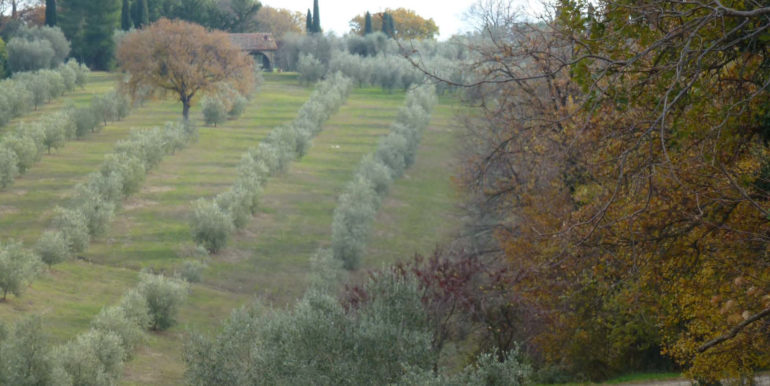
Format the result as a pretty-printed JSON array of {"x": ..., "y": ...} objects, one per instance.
[{"x": 269, "y": 259}]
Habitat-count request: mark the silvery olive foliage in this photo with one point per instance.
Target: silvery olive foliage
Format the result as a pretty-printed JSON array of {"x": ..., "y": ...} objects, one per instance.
[
  {"x": 25, "y": 145},
  {"x": 359, "y": 202},
  {"x": 318, "y": 341},
  {"x": 28, "y": 90},
  {"x": 213, "y": 221}
]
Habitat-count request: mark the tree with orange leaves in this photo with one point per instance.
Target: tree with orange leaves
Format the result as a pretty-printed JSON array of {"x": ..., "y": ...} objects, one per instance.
[{"x": 184, "y": 59}]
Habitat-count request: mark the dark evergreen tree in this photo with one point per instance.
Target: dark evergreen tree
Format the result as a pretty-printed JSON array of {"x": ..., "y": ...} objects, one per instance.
[
  {"x": 89, "y": 25},
  {"x": 368, "y": 23},
  {"x": 316, "y": 18},
  {"x": 309, "y": 23},
  {"x": 144, "y": 14},
  {"x": 125, "y": 17},
  {"x": 387, "y": 25},
  {"x": 391, "y": 27},
  {"x": 50, "y": 13}
]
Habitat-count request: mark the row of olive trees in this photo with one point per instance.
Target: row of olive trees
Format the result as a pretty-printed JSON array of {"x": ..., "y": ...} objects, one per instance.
[
  {"x": 93, "y": 204},
  {"x": 361, "y": 199},
  {"x": 94, "y": 357},
  {"x": 213, "y": 220},
  {"x": 24, "y": 146},
  {"x": 120, "y": 175},
  {"x": 28, "y": 90},
  {"x": 383, "y": 339}
]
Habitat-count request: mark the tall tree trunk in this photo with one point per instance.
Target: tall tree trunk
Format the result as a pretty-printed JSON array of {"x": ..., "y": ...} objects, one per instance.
[{"x": 186, "y": 108}]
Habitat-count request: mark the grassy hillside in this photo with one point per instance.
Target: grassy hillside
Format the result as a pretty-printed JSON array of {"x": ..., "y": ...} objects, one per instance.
[{"x": 266, "y": 260}]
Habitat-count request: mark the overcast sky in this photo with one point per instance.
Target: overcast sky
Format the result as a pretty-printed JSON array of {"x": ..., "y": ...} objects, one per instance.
[{"x": 336, "y": 14}]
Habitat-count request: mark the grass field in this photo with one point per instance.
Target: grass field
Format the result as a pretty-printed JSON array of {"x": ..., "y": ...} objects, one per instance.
[{"x": 268, "y": 260}]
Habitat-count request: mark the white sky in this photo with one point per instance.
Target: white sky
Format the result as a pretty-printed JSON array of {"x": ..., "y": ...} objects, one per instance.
[{"x": 448, "y": 14}]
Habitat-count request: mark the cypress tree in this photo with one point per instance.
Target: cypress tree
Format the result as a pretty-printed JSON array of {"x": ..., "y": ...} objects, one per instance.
[
  {"x": 387, "y": 23},
  {"x": 316, "y": 18},
  {"x": 50, "y": 13},
  {"x": 125, "y": 17},
  {"x": 368, "y": 23},
  {"x": 309, "y": 22},
  {"x": 391, "y": 27},
  {"x": 144, "y": 14}
]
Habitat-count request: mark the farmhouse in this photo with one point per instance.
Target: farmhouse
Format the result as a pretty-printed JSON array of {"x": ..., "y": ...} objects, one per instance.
[{"x": 261, "y": 45}]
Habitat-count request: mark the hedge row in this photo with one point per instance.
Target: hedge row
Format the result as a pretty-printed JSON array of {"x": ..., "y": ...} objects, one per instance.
[
  {"x": 95, "y": 357},
  {"x": 25, "y": 145},
  {"x": 28, "y": 90},
  {"x": 361, "y": 199},
  {"x": 93, "y": 204},
  {"x": 96, "y": 199},
  {"x": 213, "y": 220}
]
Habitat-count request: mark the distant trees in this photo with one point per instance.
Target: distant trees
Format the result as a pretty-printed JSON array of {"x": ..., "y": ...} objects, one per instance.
[
  {"x": 279, "y": 22},
  {"x": 238, "y": 15},
  {"x": 125, "y": 17},
  {"x": 368, "y": 28},
  {"x": 193, "y": 61},
  {"x": 35, "y": 48},
  {"x": 316, "y": 18},
  {"x": 50, "y": 13},
  {"x": 89, "y": 25},
  {"x": 400, "y": 23},
  {"x": 142, "y": 15}
]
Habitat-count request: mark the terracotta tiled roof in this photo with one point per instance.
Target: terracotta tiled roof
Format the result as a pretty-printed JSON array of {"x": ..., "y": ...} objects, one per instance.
[{"x": 255, "y": 41}]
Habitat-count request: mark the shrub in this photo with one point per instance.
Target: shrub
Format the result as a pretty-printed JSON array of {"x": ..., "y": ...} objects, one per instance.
[
  {"x": 391, "y": 151},
  {"x": 213, "y": 110},
  {"x": 352, "y": 220},
  {"x": 376, "y": 173},
  {"x": 9, "y": 166},
  {"x": 52, "y": 35},
  {"x": 26, "y": 55},
  {"x": 25, "y": 148},
  {"x": 249, "y": 169},
  {"x": 86, "y": 121},
  {"x": 130, "y": 169},
  {"x": 105, "y": 108},
  {"x": 267, "y": 154},
  {"x": 211, "y": 225},
  {"x": 26, "y": 355},
  {"x": 192, "y": 270},
  {"x": 163, "y": 296},
  {"x": 310, "y": 69},
  {"x": 319, "y": 341},
  {"x": 52, "y": 247},
  {"x": 55, "y": 135},
  {"x": 96, "y": 209},
  {"x": 18, "y": 266},
  {"x": 74, "y": 227},
  {"x": 236, "y": 203},
  {"x": 135, "y": 308},
  {"x": 114, "y": 320},
  {"x": 238, "y": 107},
  {"x": 39, "y": 88},
  {"x": 93, "y": 358},
  {"x": 486, "y": 371}
]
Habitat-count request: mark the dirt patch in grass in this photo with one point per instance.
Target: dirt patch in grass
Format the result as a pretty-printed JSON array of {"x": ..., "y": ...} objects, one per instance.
[
  {"x": 158, "y": 189},
  {"x": 138, "y": 204},
  {"x": 7, "y": 209}
]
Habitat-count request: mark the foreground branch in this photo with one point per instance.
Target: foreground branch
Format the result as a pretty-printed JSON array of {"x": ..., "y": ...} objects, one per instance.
[{"x": 734, "y": 331}]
